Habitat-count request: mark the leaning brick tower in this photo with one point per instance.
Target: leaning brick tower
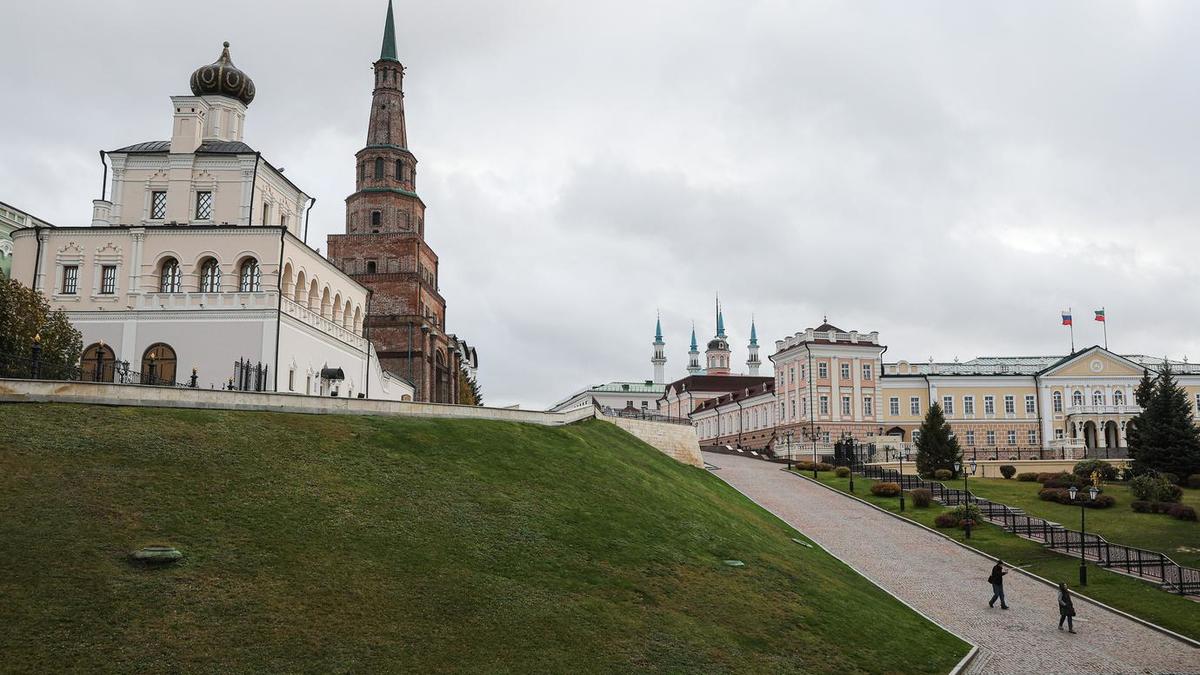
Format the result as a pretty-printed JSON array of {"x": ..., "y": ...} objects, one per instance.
[{"x": 384, "y": 246}]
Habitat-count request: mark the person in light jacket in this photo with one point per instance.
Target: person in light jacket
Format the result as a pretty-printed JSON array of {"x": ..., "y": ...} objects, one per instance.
[
  {"x": 997, "y": 582},
  {"x": 1066, "y": 610}
]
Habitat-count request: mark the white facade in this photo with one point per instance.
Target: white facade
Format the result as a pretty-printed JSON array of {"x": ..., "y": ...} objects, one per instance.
[{"x": 616, "y": 395}]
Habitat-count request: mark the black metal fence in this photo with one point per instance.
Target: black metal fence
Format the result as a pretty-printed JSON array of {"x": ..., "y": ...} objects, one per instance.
[
  {"x": 115, "y": 372},
  {"x": 1135, "y": 561},
  {"x": 628, "y": 413},
  {"x": 248, "y": 376}
]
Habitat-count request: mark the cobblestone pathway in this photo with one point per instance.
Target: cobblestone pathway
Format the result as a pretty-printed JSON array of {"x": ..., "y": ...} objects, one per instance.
[{"x": 952, "y": 586}]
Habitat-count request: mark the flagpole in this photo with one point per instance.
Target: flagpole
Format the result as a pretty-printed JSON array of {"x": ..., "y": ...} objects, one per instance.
[
  {"x": 1105, "y": 322},
  {"x": 1071, "y": 313}
]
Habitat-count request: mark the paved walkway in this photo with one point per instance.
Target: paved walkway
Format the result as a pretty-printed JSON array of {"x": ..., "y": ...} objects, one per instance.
[{"x": 952, "y": 587}]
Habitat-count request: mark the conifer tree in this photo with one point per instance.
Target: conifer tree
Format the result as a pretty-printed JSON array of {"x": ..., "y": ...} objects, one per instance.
[
  {"x": 937, "y": 448},
  {"x": 1145, "y": 389},
  {"x": 1164, "y": 437}
]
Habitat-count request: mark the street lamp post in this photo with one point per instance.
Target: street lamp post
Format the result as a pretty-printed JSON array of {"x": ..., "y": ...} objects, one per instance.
[
  {"x": 901, "y": 453},
  {"x": 788, "y": 435},
  {"x": 1092, "y": 492},
  {"x": 814, "y": 433},
  {"x": 849, "y": 445},
  {"x": 958, "y": 466}
]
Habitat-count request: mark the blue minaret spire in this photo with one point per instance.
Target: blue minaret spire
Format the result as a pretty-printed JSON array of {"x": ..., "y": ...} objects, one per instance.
[
  {"x": 659, "y": 360},
  {"x": 658, "y": 329},
  {"x": 720, "y": 319},
  {"x": 753, "y": 362},
  {"x": 753, "y": 333},
  {"x": 693, "y": 367}
]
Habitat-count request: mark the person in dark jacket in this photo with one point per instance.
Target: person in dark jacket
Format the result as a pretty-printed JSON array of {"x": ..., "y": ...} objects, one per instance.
[
  {"x": 997, "y": 582},
  {"x": 1066, "y": 610}
]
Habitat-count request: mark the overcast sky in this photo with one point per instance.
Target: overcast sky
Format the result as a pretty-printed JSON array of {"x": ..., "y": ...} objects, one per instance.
[{"x": 951, "y": 174}]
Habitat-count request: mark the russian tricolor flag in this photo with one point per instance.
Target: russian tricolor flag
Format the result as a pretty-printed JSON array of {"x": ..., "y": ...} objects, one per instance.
[{"x": 1067, "y": 319}]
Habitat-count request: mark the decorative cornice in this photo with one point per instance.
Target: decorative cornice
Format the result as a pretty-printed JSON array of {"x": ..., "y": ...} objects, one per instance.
[{"x": 388, "y": 189}]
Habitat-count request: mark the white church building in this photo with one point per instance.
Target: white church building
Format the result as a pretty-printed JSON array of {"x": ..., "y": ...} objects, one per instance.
[{"x": 197, "y": 261}]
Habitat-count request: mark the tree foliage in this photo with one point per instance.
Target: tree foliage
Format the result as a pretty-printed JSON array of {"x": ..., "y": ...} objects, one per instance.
[
  {"x": 468, "y": 389},
  {"x": 1164, "y": 437},
  {"x": 937, "y": 448},
  {"x": 24, "y": 314}
]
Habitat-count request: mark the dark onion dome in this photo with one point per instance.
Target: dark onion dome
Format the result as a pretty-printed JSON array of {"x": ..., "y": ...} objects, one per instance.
[
  {"x": 223, "y": 79},
  {"x": 718, "y": 344}
]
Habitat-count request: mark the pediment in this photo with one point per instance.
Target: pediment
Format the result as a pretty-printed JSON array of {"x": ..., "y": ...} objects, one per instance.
[{"x": 1094, "y": 362}]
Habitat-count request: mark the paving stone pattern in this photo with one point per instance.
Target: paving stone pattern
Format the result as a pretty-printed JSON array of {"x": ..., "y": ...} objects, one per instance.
[{"x": 952, "y": 585}]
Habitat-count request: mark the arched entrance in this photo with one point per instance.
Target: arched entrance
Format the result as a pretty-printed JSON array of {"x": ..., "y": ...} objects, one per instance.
[
  {"x": 1089, "y": 435},
  {"x": 96, "y": 364},
  {"x": 1112, "y": 439},
  {"x": 895, "y": 431},
  {"x": 158, "y": 364}
]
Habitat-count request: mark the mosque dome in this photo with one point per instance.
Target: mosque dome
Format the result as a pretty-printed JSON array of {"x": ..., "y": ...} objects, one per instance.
[
  {"x": 718, "y": 344},
  {"x": 223, "y": 79}
]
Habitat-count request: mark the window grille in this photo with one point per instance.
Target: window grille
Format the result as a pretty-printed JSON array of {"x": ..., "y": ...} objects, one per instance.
[{"x": 158, "y": 205}]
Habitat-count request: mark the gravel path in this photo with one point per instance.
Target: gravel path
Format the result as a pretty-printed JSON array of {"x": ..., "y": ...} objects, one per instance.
[{"x": 952, "y": 588}]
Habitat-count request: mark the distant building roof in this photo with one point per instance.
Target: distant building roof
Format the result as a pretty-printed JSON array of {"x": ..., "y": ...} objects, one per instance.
[
  {"x": 716, "y": 383},
  {"x": 1021, "y": 365},
  {"x": 209, "y": 147},
  {"x": 767, "y": 387}
]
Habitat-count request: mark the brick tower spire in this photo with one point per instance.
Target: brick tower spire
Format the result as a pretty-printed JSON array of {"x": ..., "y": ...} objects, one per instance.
[{"x": 384, "y": 246}]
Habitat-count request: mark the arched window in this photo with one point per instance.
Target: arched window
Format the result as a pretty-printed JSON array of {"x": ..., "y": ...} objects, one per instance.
[
  {"x": 376, "y": 218},
  {"x": 210, "y": 276},
  {"x": 1097, "y": 397},
  {"x": 1077, "y": 398},
  {"x": 399, "y": 170},
  {"x": 1118, "y": 397},
  {"x": 300, "y": 288},
  {"x": 96, "y": 364},
  {"x": 250, "y": 278},
  {"x": 1057, "y": 401},
  {"x": 378, "y": 168},
  {"x": 169, "y": 277},
  {"x": 370, "y": 267},
  {"x": 158, "y": 364}
]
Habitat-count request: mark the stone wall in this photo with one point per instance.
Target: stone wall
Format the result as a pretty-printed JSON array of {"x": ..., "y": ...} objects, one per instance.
[{"x": 677, "y": 441}]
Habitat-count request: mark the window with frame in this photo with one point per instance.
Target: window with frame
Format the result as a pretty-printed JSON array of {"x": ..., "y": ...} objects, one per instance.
[
  {"x": 250, "y": 277},
  {"x": 948, "y": 405},
  {"x": 824, "y": 409},
  {"x": 804, "y": 407},
  {"x": 378, "y": 168},
  {"x": 108, "y": 279},
  {"x": 793, "y": 401},
  {"x": 70, "y": 279},
  {"x": 1030, "y": 405},
  {"x": 991, "y": 438},
  {"x": 1098, "y": 397},
  {"x": 845, "y": 371},
  {"x": 968, "y": 405},
  {"x": 158, "y": 205},
  {"x": 825, "y": 437},
  {"x": 1077, "y": 398},
  {"x": 822, "y": 370},
  {"x": 1118, "y": 397},
  {"x": 868, "y": 406},
  {"x": 399, "y": 170},
  {"x": 894, "y": 406},
  {"x": 1059, "y": 434},
  {"x": 846, "y": 406},
  {"x": 782, "y": 409},
  {"x": 989, "y": 405},
  {"x": 210, "y": 276},
  {"x": 1010, "y": 404},
  {"x": 1012, "y": 437},
  {"x": 971, "y": 437},
  {"x": 169, "y": 276},
  {"x": 376, "y": 218},
  {"x": 1057, "y": 401},
  {"x": 1032, "y": 437},
  {"x": 914, "y": 406},
  {"x": 867, "y": 371},
  {"x": 292, "y": 379},
  {"x": 916, "y": 436},
  {"x": 204, "y": 204}
]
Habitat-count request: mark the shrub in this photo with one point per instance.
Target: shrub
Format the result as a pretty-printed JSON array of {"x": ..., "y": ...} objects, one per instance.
[
  {"x": 943, "y": 474},
  {"x": 842, "y": 471},
  {"x": 945, "y": 520},
  {"x": 885, "y": 489},
  {"x": 1029, "y": 477},
  {"x": 1155, "y": 489},
  {"x": 1008, "y": 471},
  {"x": 1051, "y": 494},
  {"x": 921, "y": 497},
  {"x": 1065, "y": 480},
  {"x": 1043, "y": 477},
  {"x": 1193, "y": 481},
  {"x": 967, "y": 512},
  {"x": 1161, "y": 507},
  {"x": 1170, "y": 477},
  {"x": 1087, "y": 467},
  {"x": 1142, "y": 507},
  {"x": 1182, "y": 512},
  {"x": 824, "y": 466},
  {"x": 1100, "y": 502}
]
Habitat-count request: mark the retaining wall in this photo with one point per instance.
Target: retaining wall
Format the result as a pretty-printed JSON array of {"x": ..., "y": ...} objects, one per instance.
[{"x": 677, "y": 441}]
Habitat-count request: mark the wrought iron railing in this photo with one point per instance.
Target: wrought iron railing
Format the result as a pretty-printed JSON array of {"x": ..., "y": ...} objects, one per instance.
[
  {"x": 108, "y": 371},
  {"x": 1138, "y": 562},
  {"x": 644, "y": 415}
]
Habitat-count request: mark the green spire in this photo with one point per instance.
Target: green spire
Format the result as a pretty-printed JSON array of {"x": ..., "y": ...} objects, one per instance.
[
  {"x": 720, "y": 319},
  {"x": 694, "y": 345},
  {"x": 388, "y": 52},
  {"x": 753, "y": 334},
  {"x": 658, "y": 330}
]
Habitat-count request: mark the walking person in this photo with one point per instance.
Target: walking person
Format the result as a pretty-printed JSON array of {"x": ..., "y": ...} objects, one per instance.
[
  {"x": 1066, "y": 610},
  {"x": 997, "y": 582}
]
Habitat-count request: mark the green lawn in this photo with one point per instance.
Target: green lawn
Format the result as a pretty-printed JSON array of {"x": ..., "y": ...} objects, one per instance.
[
  {"x": 1134, "y": 596},
  {"x": 1179, "y": 539},
  {"x": 323, "y": 543}
]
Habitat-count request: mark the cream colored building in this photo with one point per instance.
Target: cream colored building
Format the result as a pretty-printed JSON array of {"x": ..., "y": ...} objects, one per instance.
[{"x": 197, "y": 261}]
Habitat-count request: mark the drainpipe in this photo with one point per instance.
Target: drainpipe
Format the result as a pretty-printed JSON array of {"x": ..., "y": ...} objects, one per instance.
[
  {"x": 104, "y": 180},
  {"x": 366, "y": 335},
  {"x": 37, "y": 261},
  {"x": 279, "y": 292},
  {"x": 311, "y": 201},
  {"x": 739, "y": 418},
  {"x": 253, "y": 182}
]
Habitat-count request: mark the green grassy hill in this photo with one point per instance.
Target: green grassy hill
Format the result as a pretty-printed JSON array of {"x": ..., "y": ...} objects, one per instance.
[{"x": 339, "y": 543}]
